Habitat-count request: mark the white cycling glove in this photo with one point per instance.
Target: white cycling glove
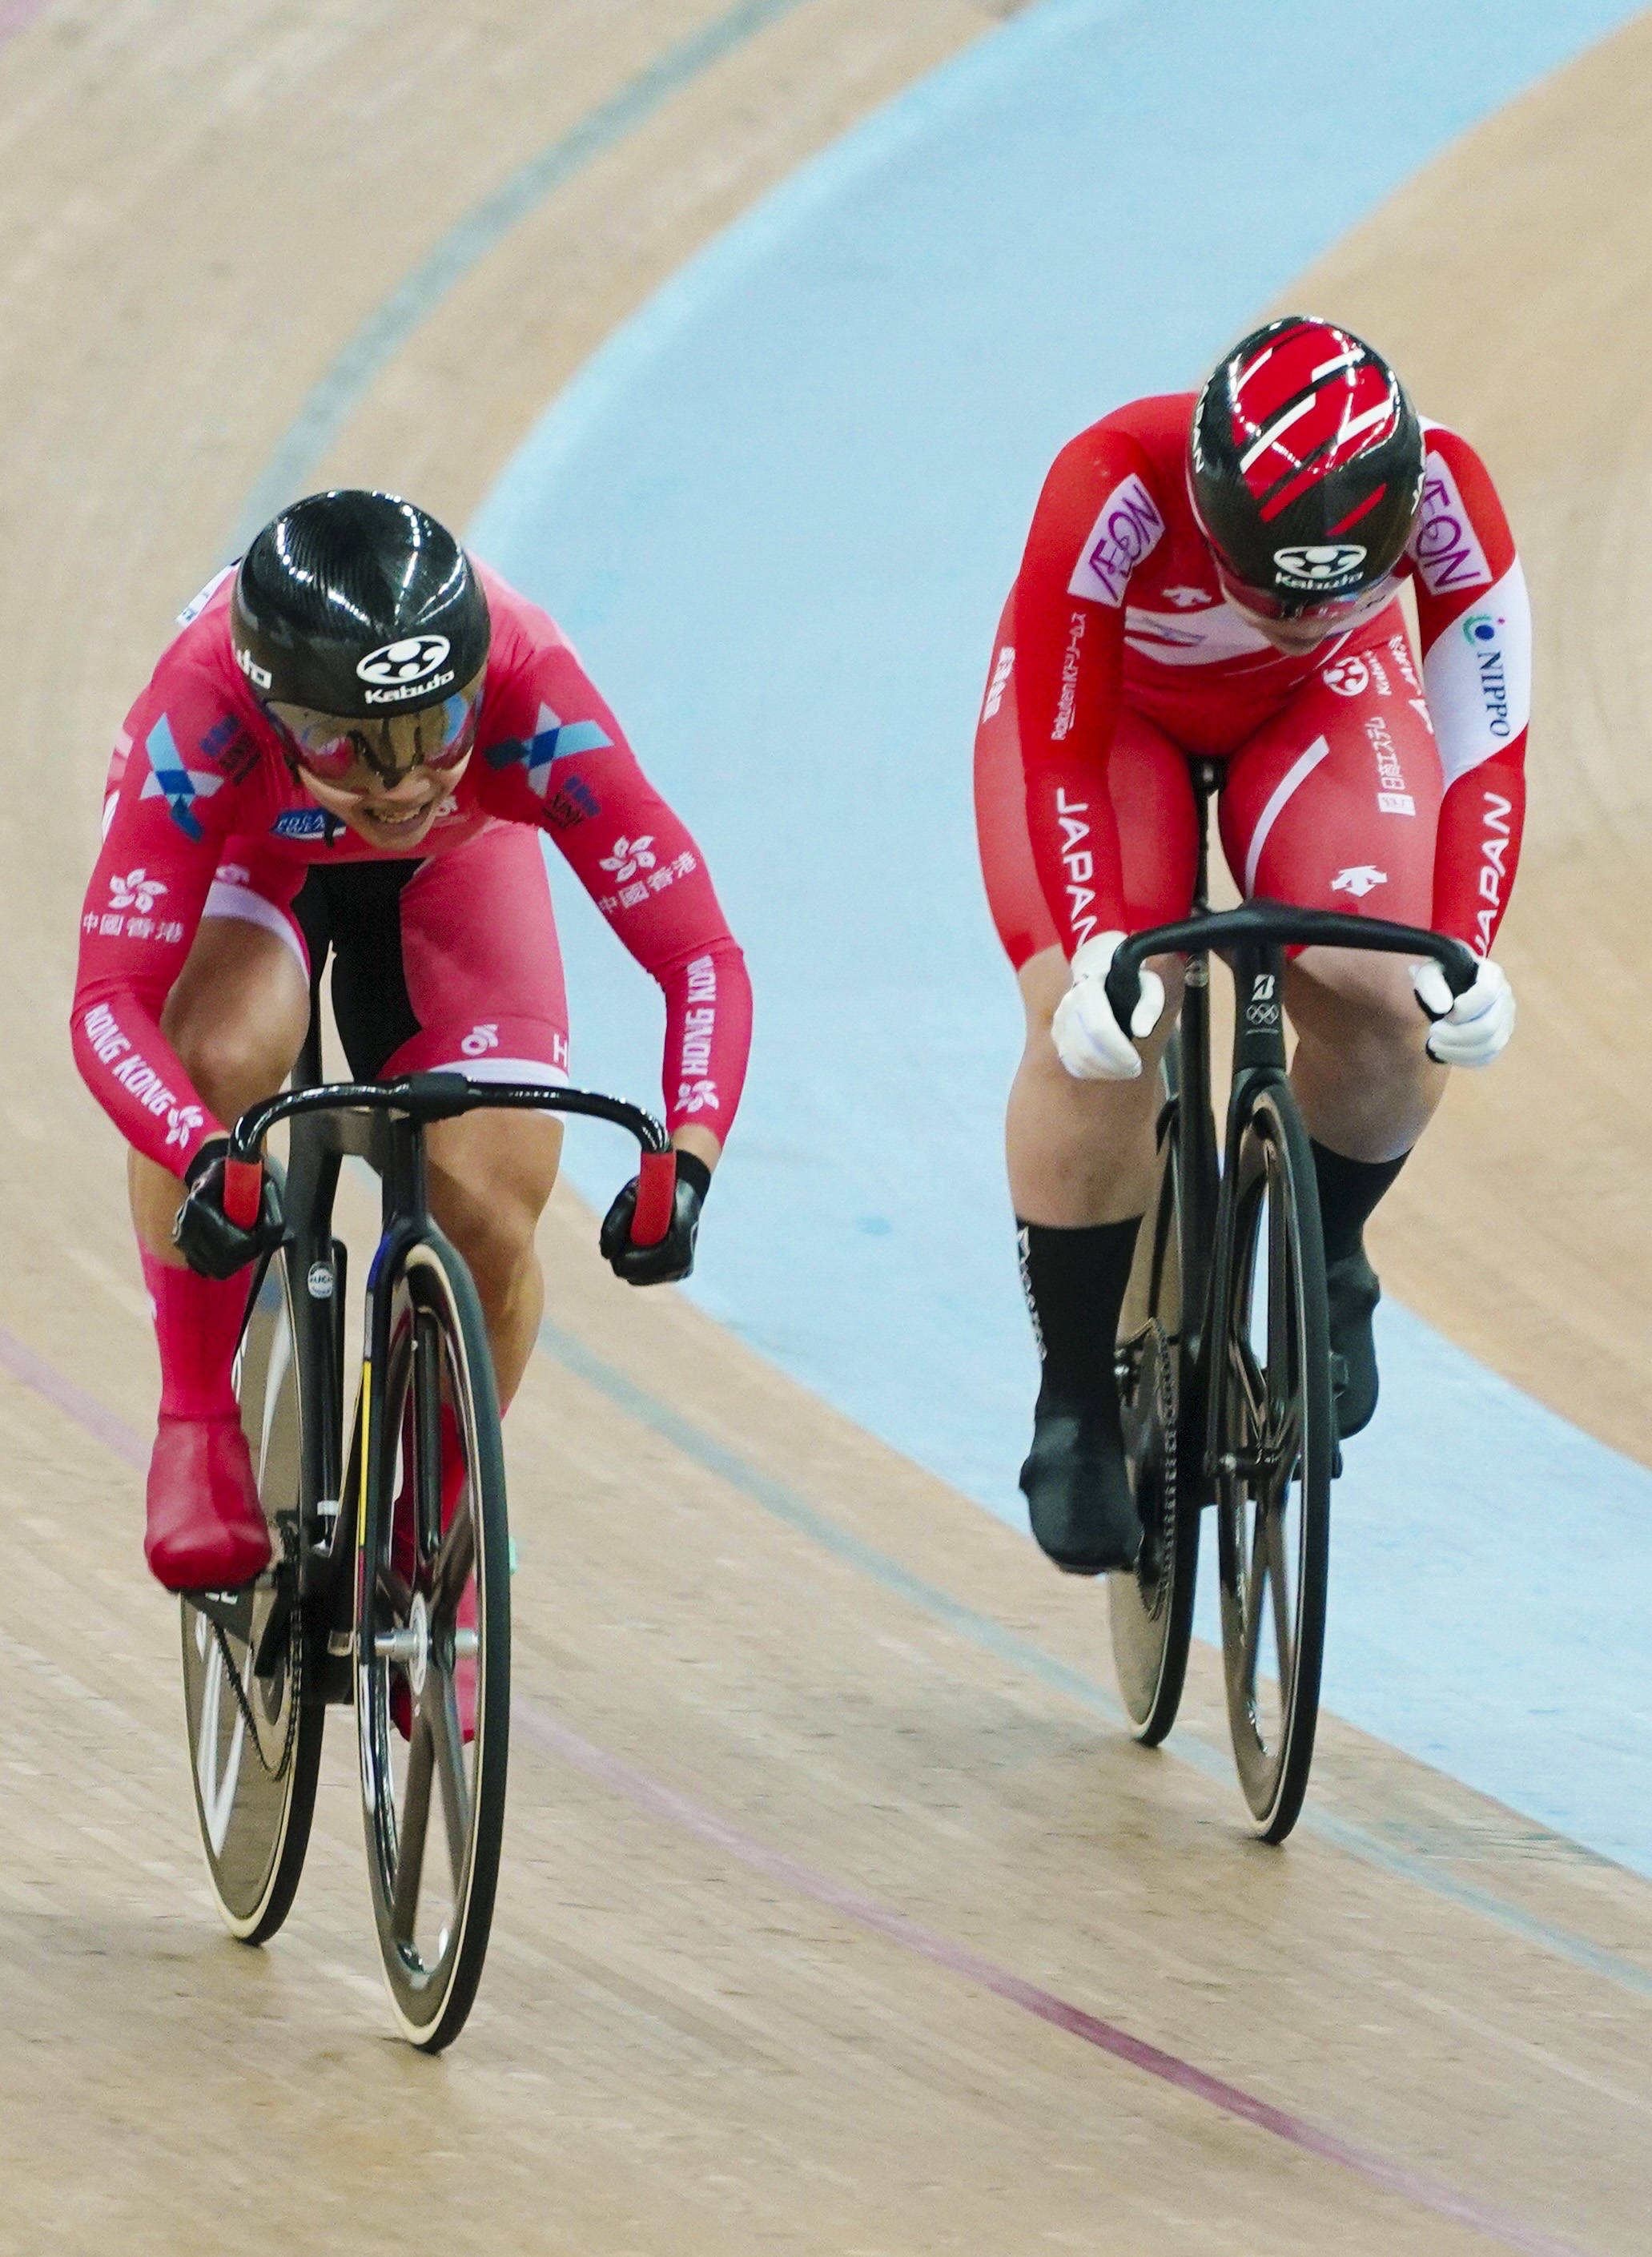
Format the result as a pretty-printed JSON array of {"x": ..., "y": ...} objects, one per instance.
[
  {"x": 1470, "y": 1029},
  {"x": 1089, "y": 1040}
]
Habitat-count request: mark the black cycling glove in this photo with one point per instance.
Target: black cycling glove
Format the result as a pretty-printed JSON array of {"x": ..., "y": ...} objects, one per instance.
[
  {"x": 203, "y": 1233},
  {"x": 673, "y": 1258}
]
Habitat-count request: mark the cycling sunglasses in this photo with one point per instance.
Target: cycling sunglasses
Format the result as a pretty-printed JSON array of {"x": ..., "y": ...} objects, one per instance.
[{"x": 333, "y": 748}]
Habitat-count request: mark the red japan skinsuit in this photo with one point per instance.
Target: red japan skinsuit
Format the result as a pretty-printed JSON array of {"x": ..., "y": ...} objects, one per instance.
[
  {"x": 1116, "y": 612},
  {"x": 200, "y": 773}
]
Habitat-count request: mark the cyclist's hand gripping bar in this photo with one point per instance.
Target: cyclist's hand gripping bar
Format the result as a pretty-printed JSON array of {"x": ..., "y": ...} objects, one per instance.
[{"x": 1281, "y": 924}]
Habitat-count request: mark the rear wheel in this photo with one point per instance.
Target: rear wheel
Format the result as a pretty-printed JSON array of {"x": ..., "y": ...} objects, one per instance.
[
  {"x": 434, "y": 1647},
  {"x": 1151, "y": 1605},
  {"x": 1277, "y": 1451},
  {"x": 254, "y": 1746}
]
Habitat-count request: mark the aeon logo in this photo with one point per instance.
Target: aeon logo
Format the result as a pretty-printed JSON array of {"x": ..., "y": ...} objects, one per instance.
[{"x": 402, "y": 665}]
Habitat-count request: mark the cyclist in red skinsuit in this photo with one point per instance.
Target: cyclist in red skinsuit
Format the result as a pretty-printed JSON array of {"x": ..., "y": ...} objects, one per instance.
[
  {"x": 227, "y": 867},
  {"x": 1233, "y": 595}
]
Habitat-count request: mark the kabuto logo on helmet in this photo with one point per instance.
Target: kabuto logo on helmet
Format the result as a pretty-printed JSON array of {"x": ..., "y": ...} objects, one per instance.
[
  {"x": 259, "y": 677},
  {"x": 1324, "y": 564},
  {"x": 405, "y": 665}
]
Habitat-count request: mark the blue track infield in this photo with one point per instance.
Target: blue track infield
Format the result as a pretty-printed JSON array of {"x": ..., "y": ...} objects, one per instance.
[{"x": 778, "y": 512}]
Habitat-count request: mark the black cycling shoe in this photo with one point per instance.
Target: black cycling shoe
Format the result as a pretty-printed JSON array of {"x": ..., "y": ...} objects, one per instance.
[
  {"x": 1351, "y": 1294},
  {"x": 1078, "y": 1492}
]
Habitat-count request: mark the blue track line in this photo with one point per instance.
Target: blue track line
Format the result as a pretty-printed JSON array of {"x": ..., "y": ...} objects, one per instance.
[{"x": 779, "y": 512}]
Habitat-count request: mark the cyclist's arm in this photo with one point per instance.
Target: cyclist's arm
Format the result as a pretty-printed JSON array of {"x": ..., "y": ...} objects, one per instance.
[
  {"x": 163, "y": 825},
  {"x": 1096, "y": 518},
  {"x": 576, "y": 777},
  {"x": 1476, "y": 629}
]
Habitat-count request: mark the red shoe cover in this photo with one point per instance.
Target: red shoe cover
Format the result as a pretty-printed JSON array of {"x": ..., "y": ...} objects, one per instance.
[{"x": 207, "y": 1530}]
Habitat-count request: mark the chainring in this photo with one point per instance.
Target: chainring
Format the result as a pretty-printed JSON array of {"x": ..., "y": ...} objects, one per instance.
[{"x": 1148, "y": 1407}]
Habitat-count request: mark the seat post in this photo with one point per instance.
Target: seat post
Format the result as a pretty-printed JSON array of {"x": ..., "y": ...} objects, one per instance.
[{"x": 1207, "y": 776}]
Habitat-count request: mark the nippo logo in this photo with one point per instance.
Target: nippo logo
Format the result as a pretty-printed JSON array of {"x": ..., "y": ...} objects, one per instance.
[
  {"x": 402, "y": 665},
  {"x": 1318, "y": 564}
]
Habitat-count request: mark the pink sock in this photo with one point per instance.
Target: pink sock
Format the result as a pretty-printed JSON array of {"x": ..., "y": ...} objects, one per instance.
[{"x": 197, "y": 1324}]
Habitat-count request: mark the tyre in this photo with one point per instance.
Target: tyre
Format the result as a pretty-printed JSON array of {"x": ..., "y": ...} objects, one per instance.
[
  {"x": 255, "y": 1745},
  {"x": 432, "y": 1645},
  {"x": 1151, "y": 1606},
  {"x": 1276, "y": 1451}
]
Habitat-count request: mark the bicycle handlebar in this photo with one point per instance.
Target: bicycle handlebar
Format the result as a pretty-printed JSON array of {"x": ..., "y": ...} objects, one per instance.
[
  {"x": 441, "y": 1097},
  {"x": 1280, "y": 922}
]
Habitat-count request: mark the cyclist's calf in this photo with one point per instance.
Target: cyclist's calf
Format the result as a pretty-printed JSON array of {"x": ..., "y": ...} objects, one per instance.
[
  {"x": 490, "y": 1176},
  {"x": 1364, "y": 1080}
]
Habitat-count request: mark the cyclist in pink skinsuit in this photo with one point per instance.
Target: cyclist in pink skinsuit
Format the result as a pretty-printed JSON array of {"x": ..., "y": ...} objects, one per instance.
[
  {"x": 355, "y": 742},
  {"x": 1218, "y": 576}
]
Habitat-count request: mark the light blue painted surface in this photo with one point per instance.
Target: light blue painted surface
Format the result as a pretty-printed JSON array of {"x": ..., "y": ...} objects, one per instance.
[{"x": 778, "y": 512}]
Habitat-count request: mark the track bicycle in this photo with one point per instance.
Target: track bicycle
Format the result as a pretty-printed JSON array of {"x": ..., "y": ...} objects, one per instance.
[
  {"x": 1223, "y": 1359},
  {"x": 389, "y": 1585}
]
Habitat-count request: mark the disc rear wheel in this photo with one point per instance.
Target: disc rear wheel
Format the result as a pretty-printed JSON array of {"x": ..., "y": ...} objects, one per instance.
[
  {"x": 254, "y": 1745},
  {"x": 1151, "y": 1605}
]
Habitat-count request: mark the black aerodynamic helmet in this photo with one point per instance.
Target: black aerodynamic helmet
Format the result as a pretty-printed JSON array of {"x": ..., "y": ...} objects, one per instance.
[
  {"x": 362, "y": 628},
  {"x": 1304, "y": 468}
]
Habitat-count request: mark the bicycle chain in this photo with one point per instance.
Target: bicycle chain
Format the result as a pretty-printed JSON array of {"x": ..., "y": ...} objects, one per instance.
[
  {"x": 294, "y": 1653},
  {"x": 1166, "y": 1411}
]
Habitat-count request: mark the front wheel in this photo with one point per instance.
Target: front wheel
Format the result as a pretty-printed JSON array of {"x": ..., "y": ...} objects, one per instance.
[
  {"x": 433, "y": 1642},
  {"x": 255, "y": 1743},
  {"x": 1275, "y": 1455}
]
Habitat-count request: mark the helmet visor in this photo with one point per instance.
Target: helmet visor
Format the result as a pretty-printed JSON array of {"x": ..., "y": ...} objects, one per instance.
[
  {"x": 350, "y": 751},
  {"x": 1332, "y": 614}
]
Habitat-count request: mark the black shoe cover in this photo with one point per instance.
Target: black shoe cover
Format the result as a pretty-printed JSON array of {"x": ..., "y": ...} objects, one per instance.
[
  {"x": 1078, "y": 1492},
  {"x": 1351, "y": 1293}
]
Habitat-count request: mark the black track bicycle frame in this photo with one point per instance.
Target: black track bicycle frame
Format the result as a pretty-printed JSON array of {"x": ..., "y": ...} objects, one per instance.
[
  {"x": 384, "y": 1124},
  {"x": 1253, "y": 938}
]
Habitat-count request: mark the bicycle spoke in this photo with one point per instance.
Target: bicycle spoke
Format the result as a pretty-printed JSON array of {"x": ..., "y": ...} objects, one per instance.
[
  {"x": 426, "y": 1423},
  {"x": 441, "y": 1709},
  {"x": 1280, "y": 1359},
  {"x": 455, "y": 1563},
  {"x": 415, "y": 1824},
  {"x": 1255, "y": 1574},
  {"x": 1252, "y": 1391},
  {"x": 1284, "y": 1612}
]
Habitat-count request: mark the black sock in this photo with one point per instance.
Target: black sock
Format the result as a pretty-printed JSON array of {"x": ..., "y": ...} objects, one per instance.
[
  {"x": 1075, "y": 1283},
  {"x": 1348, "y": 1191}
]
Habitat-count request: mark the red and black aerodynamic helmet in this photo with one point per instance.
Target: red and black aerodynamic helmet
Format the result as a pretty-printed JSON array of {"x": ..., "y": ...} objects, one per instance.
[{"x": 1304, "y": 468}]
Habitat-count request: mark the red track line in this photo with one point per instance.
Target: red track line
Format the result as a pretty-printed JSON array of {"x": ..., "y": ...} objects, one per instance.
[
  {"x": 23, "y": 1363},
  {"x": 664, "y": 1802},
  {"x": 14, "y": 14}
]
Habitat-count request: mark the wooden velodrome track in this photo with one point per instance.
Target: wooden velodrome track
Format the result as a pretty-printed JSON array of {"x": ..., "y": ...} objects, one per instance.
[{"x": 838, "y": 1915}]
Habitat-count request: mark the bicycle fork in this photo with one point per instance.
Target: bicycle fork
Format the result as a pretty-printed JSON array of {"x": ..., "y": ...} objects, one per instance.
[{"x": 1259, "y": 1061}]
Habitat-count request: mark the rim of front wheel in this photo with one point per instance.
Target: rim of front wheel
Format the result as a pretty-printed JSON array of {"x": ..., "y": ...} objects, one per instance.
[
  {"x": 433, "y": 1665},
  {"x": 1277, "y": 1449}
]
